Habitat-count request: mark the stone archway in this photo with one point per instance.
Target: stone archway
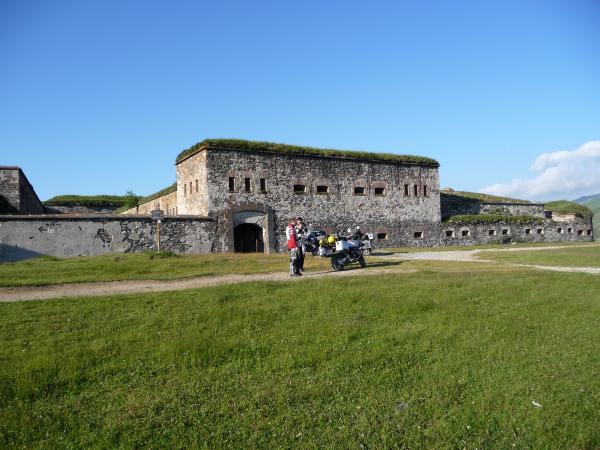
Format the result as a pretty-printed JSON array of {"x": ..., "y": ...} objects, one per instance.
[
  {"x": 248, "y": 238},
  {"x": 249, "y": 231}
]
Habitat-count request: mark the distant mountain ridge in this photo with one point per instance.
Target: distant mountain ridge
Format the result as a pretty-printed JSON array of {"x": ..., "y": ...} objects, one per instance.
[{"x": 586, "y": 198}]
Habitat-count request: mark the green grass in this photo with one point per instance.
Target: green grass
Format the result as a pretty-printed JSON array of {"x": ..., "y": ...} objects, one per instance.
[
  {"x": 143, "y": 266},
  {"x": 567, "y": 207},
  {"x": 434, "y": 359},
  {"x": 481, "y": 197},
  {"x": 272, "y": 147},
  {"x": 570, "y": 257},
  {"x": 87, "y": 200},
  {"x": 479, "y": 247}
]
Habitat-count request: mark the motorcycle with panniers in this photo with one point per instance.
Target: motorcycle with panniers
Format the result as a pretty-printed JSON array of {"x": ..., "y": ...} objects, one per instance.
[{"x": 342, "y": 252}]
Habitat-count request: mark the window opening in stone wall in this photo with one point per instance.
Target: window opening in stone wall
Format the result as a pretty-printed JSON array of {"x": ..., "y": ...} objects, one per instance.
[
  {"x": 504, "y": 232},
  {"x": 322, "y": 189},
  {"x": 418, "y": 234},
  {"x": 569, "y": 230},
  {"x": 449, "y": 233},
  {"x": 559, "y": 230},
  {"x": 406, "y": 190},
  {"x": 196, "y": 186},
  {"x": 527, "y": 231},
  {"x": 359, "y": 190},
  {"x": 381, "y": 236},
  {"x": 416, "y": 190},
  {"x": 184, "y": 189},
  {"x": 247, "y": 184},
  {"x": 540, "y": 231},
  {"x": 379, "y": 191},
  {"x": 231, "y": 184},
  {"x": 465, "y": 232},
  {"x": 190, "y": 188},
  {"x": 425, "y": 193},
  {"x": 589, "y": 232},
  {"x": 579, "y": 232},
  {"x": 263, "y": 185},
  {"x": 491, "y": 232},
  {"x": 299, "y": 189}
]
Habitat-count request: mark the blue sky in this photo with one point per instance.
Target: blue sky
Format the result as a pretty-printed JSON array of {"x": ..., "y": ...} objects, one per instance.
[{"x": 99, "y": 97}]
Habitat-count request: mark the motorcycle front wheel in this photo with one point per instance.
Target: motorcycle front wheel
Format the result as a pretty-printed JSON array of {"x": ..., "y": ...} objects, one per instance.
[
  {"x": 335, "y": 264},
  {"x": 362, "y": 262}
]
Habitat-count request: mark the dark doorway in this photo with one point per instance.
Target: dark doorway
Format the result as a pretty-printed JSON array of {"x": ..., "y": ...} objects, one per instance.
[{"x": 248, "y": 238}]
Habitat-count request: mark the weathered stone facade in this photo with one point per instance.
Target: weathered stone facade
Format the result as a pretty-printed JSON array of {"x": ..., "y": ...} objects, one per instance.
[
  {"x": 166, "y": 203},
  {"x": 454, "y": 205},
  {"x": 55, "y": 235},
  {"x": 16, "y": 189}
]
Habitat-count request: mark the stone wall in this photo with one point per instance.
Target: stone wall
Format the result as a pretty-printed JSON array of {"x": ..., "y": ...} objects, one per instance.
[
  {"x": 27, "y": 236},
  {"x": 320, "y": 189},
  {"x": 76, "y": 209},
  {"x": 193, "y": 185},
  {"x": 454, "y": 205},
  {"x": 167, "y": 203},
  {"x": 16, "y": 189}
]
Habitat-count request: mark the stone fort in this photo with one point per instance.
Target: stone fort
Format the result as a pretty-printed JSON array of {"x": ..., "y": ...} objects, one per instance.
[{"x": 234, "y": 195}]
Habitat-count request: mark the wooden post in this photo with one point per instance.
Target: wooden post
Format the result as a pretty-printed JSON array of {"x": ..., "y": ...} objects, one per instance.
[{"x": 158, "y": 235}]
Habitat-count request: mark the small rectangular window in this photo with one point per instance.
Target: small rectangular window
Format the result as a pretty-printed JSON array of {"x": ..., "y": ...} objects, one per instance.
[
  {"x": 184, "y": 189},
  {"x": 263, "y": 185},
  {"x": 491, "y": 232},
  {"x": 579, "y": 232},
  {"x": 418, "y": 234},
  {"x": 379, "y": 191},
  {"x": 322, "y": 189},
  {"x": 381, "y": 236},
  {"x": 425, "y": 193},
  {"x": 416, "y": 190},
  {"x": 359, "y": 190},
  {"x": 299, "y": 189},
  {"x": 449, "y": 233},
  {"x": 231, "y": 184},
  {"x": 465, "y": 232},
  {"x": 406, "y": 190},
  {"x": 559, "y": 230},
  {"x": 196, "y": 186},
  {"x": 247, "y": 184},
  {"x": 540, "y": 231},
  {"x": 569, "y": 230},
  {"x": 589, "y": 232},
  {"x": 504, "y": 232},
  {"x": 527, "y": 231},
  {"x": 190, "y": 188}
]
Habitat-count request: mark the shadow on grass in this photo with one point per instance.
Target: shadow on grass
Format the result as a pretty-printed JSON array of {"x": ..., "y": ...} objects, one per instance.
[{"x": 355, "y": 266}]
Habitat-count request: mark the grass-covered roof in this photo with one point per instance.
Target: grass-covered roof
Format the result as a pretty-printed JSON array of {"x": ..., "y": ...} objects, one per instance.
[
  {"x": 486, "y": 198},
  {"x": 160, "y": 193},
  {"x": 567, "y": 207},
  {"x": 271, "y": 147},
  {"x": 86, "y": 200}
]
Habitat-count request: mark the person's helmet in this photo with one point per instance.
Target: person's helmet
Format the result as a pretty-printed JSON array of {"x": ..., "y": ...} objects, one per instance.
[
  {"x": 331, "y": 239},
  {"x": 357, "y": 227},
  {"x": 322, "y": 242},
  {"x": 349, "y": 230}
]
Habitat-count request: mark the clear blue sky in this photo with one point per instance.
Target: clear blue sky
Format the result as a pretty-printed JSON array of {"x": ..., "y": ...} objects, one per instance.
[{"x": 100, "y": 96}]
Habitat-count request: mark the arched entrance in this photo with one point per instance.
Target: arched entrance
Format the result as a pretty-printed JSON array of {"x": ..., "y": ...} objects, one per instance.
[{"x": 248, "y": 238}]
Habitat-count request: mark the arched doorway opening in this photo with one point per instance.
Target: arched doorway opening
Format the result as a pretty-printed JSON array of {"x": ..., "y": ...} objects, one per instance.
[{"x": 248, "y": 238}]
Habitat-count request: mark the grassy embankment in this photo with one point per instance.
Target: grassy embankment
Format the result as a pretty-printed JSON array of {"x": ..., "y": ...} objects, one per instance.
[
  {"x": 588, "y": 256},
  {"x": 480, "y": 358}
]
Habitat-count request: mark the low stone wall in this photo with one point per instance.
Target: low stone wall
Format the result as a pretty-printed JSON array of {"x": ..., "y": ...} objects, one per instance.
[
  {"x": 455, "y": 205},
  {"x": 76, "y": 209},
  {"x": 24, "y": 237},
  {"x": 167, "y": 203}
]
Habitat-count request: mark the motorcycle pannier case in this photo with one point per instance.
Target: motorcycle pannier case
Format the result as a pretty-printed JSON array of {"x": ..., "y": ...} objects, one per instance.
[{"x": 342, "y": 245}]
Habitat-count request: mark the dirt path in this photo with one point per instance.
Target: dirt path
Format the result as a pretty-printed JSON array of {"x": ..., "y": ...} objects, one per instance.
[
  {"x": 16, "y": 294},
  {"x": 144, "y": 286}
]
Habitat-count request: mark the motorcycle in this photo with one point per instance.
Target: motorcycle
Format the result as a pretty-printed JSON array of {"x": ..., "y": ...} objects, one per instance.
[
  {"x": 311, "y": 242},
  {"x": 347, "y": 252}
]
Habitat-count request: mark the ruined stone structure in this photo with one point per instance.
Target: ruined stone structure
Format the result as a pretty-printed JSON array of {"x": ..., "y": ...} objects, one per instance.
[{"x": 18, "y": 194}]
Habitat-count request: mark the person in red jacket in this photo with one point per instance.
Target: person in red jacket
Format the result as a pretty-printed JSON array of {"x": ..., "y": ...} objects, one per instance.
[{"x": 292, "y": 245}]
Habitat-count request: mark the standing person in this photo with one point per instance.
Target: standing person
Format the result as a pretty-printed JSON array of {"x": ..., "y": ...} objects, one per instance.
[
  {"x": 292, "y": 245},
  {"x": 301, "y": 233}
]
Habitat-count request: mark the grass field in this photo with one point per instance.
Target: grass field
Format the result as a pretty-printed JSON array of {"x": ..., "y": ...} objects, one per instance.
[
  {"x": 446, "y": 357},
  {"x": 570, "y": 257},
  {"x": 143, "y": 266}
]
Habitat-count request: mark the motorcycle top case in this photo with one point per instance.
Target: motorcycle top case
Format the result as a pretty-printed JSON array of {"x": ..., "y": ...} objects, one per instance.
[{"x": 344, "y": 245}]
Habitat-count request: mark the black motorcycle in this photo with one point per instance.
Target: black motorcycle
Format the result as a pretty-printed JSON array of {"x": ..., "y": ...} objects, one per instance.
[{"x": 347, "y": 252}]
